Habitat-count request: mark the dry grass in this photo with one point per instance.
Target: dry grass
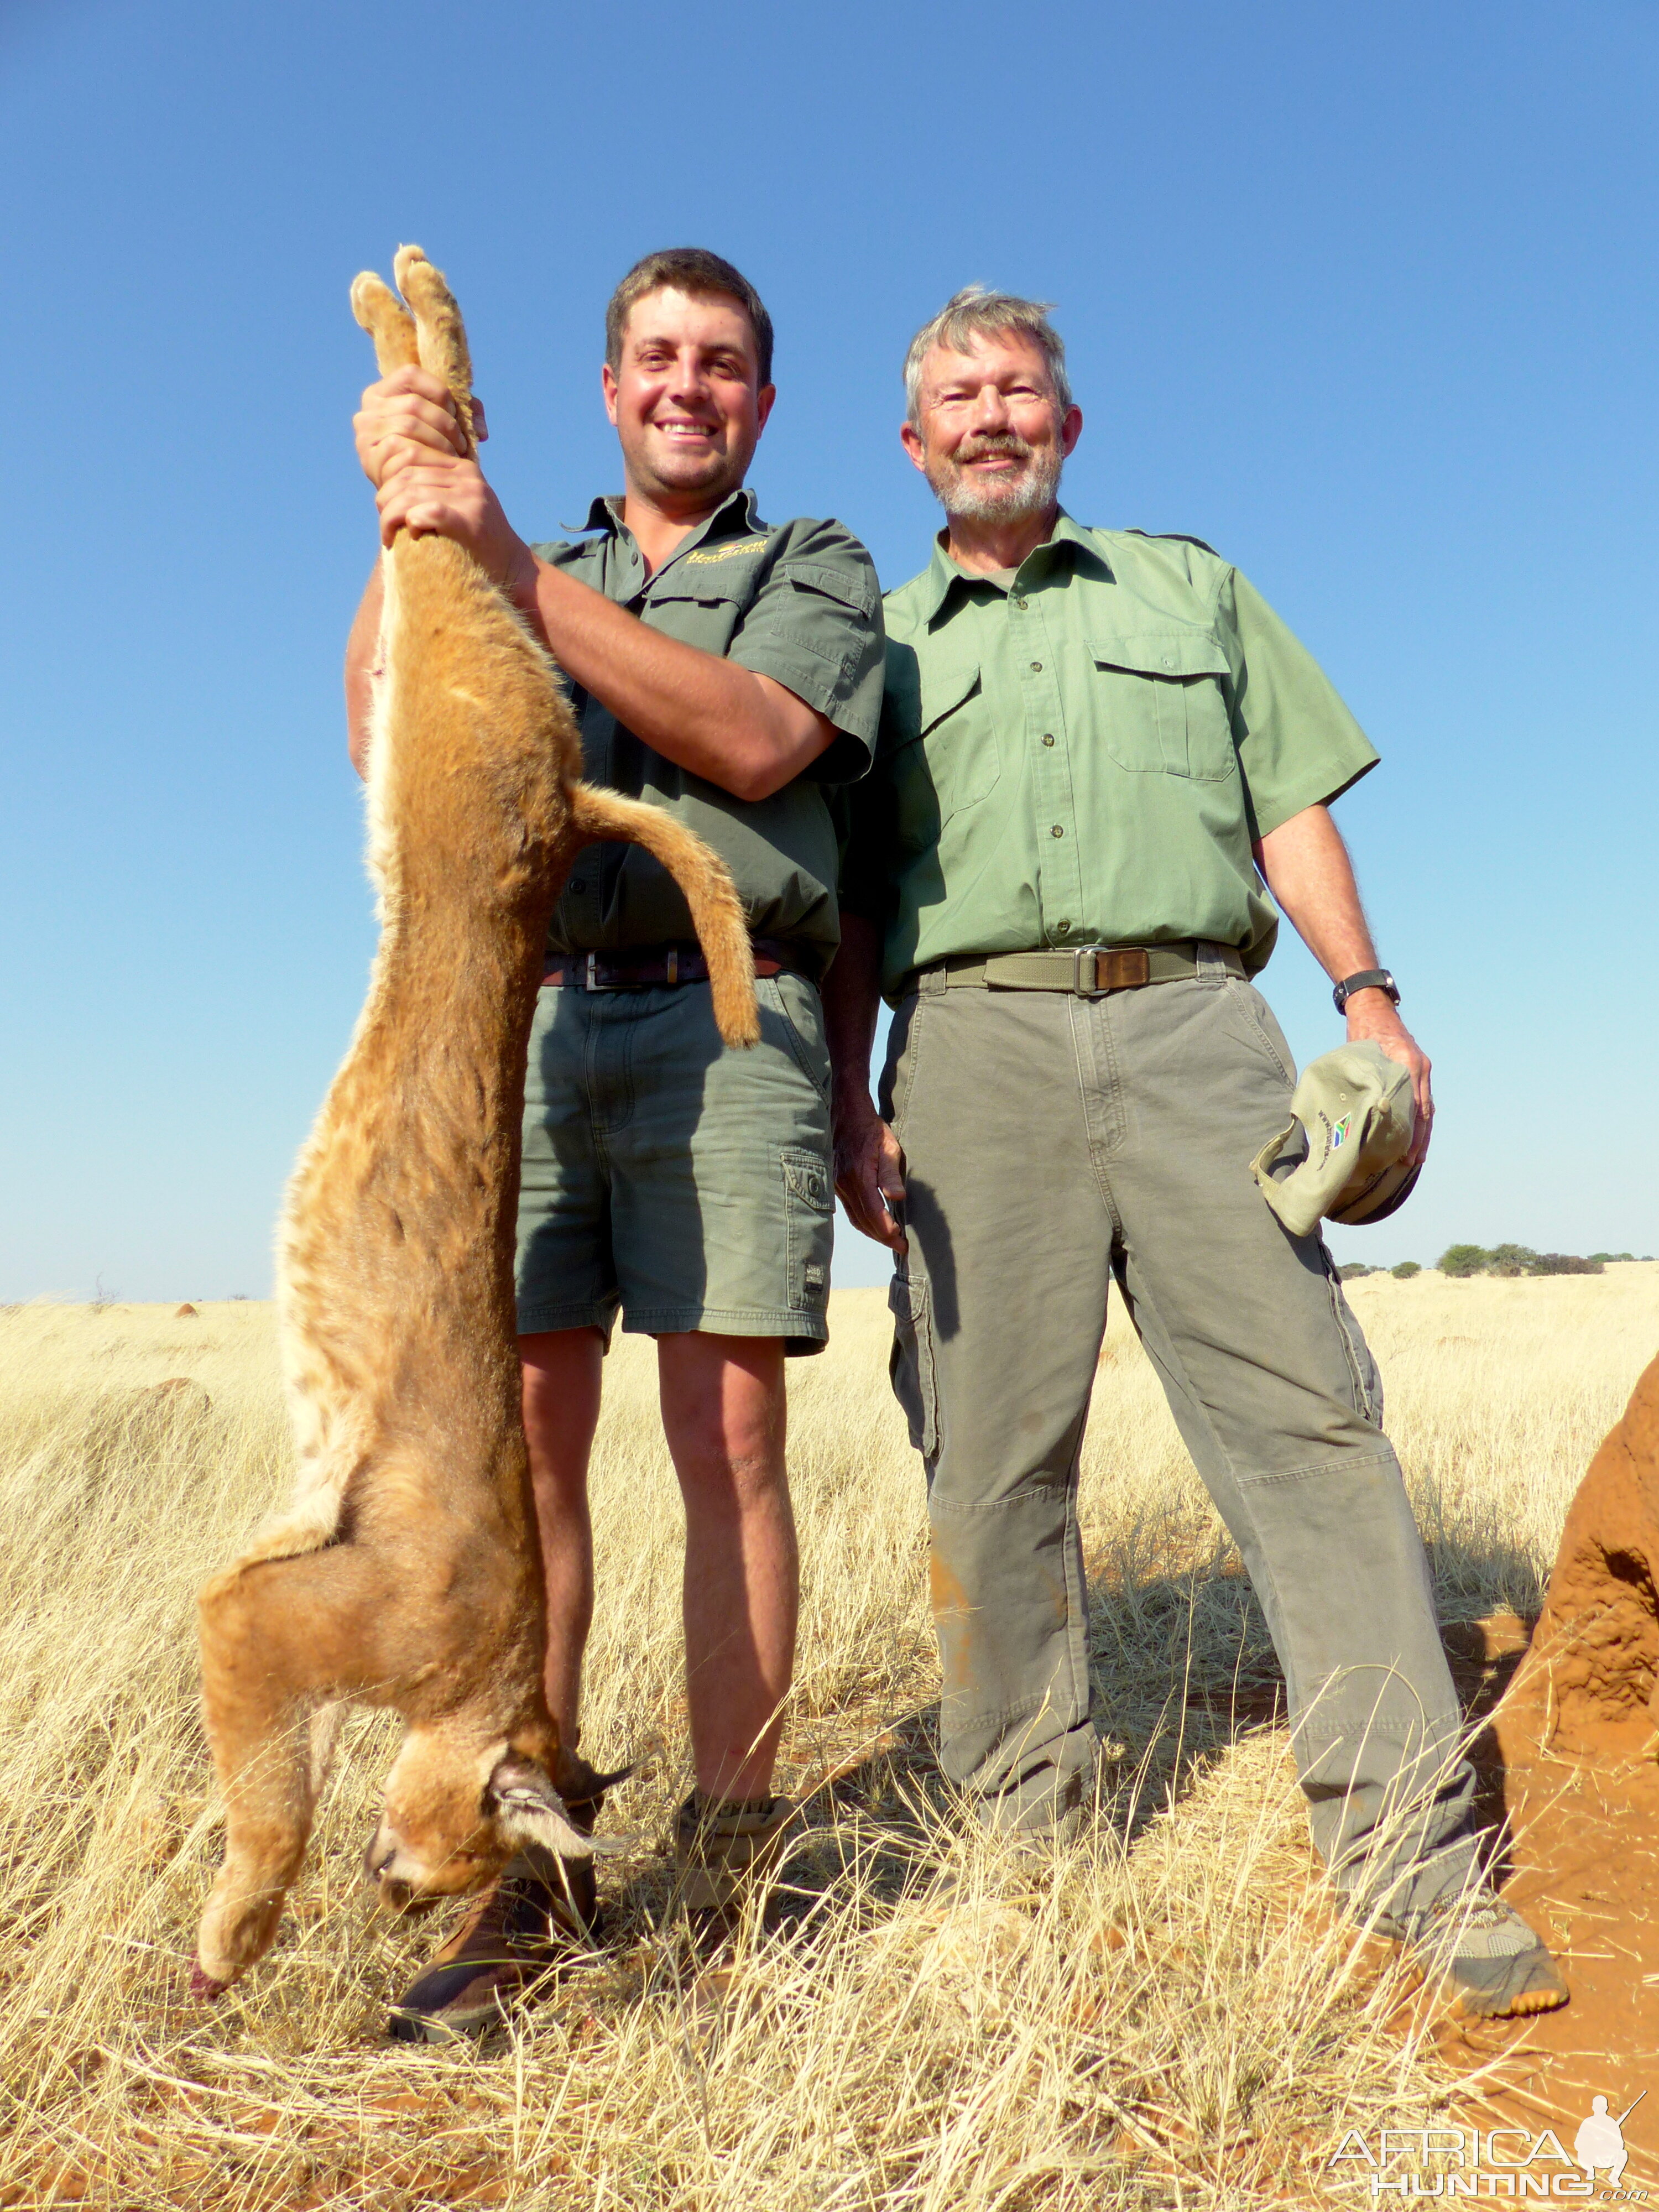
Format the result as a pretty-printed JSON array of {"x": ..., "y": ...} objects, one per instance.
[{"x": 924, "y": 2022}]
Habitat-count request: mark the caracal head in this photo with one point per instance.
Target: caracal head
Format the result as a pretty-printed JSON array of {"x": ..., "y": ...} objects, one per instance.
[{"x": 452, "y": 1818}]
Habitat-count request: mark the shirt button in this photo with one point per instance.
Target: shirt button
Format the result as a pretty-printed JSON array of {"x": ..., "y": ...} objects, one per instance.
[
  {"x": 1020, "y": 604},
  {"x": 1056, "y": 831},
  {"x": 578, "y": 886},
  {"x": 1036, "y": 668},
  {"x": 1061, "y": 927},
  {"x": 1167, "y": 662},
  {"x": 1048, "y": 737}
]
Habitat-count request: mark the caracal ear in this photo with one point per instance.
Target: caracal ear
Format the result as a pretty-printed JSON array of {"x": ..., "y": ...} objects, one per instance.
[{"x": 528, "y": 1809}]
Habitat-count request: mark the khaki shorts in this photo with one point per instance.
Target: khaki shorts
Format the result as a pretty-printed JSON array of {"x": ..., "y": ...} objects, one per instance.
[{"x": 686, "y": 1186}]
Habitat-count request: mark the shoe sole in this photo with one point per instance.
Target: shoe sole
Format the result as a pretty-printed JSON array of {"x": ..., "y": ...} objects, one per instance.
[{"x": 446, "y": 2027}]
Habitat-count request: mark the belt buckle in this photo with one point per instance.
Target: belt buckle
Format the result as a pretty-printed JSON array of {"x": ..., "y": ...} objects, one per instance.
[
  {"x": 591, "y": 976},
  {"x": 1094, "y": 988}
]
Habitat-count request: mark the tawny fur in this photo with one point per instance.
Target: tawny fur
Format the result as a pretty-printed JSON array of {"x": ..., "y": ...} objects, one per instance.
[{"x": 406, "y": 1571}]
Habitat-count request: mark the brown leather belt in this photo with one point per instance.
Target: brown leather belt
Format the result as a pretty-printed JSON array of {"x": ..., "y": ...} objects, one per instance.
[{"x": 653, "y": 966}]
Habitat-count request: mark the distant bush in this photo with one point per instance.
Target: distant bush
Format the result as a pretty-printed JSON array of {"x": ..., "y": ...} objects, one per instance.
[
  {"x": 1605, "y": 1256},
  {"x": 1353, "y": 1271},
  {"x": 1405, "y": 1271},
  {"x": 1512, "y": 1260},
  {"x": 1464, "y": 1260}
]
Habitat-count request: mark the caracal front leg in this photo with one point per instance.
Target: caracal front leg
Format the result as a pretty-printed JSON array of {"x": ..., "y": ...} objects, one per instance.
[{"x": 280, "y": 1640}]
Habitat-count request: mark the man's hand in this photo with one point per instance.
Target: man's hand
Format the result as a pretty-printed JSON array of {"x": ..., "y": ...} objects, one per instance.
[
  {"x": 870, "y": 1175},
  {"x": 1373, "y": 1015},
  {"x": 410, "y": 445},
  {"x": 1308, "y": 871},
  {"x": 408, "y": 414}
]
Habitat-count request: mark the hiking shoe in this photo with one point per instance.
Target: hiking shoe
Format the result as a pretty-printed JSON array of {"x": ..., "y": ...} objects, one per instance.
[
  {"x": 539, "y": 1911},
  {"x": 514, "y": 1933},
  {"x": 725, "y": 1850},
  {"x": 1485, "y": 1952}
]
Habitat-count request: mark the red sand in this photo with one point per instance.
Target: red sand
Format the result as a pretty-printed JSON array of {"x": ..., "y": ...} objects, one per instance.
[{"x": 1573, "y": 1746}]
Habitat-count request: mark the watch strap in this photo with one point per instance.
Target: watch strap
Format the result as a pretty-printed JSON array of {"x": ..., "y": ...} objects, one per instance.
[{"x": 1368, "y": 978}]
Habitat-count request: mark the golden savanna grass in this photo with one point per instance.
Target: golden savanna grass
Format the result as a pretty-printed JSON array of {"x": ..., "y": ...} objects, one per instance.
[{"x": 922, "y": 2022}]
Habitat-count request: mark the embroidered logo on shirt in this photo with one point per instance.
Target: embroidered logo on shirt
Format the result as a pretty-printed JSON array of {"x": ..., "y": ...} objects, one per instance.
[{"x": 704, "y": 554}]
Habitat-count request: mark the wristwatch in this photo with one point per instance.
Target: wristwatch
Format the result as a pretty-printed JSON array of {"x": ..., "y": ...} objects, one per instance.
[{"x": 1368, "y": 978}]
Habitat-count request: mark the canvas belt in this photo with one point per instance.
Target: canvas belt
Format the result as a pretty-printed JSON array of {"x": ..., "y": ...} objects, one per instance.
[
  {"x": 1088, "y": 970},
  {"x": 652, "y": 966}
]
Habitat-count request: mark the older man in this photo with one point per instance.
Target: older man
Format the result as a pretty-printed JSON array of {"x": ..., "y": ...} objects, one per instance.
[
  {"x": 1099, "y": 750},
  {"x": 727, "y": 669}
]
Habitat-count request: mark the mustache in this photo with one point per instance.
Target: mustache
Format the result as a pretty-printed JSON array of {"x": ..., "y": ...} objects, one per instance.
[{"x": 994, "y": 441}]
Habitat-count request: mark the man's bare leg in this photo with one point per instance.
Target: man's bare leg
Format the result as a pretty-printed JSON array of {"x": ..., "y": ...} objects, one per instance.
[
  {"x": 723, "y": 1414},
  {"x": 562, "y": 1379}
]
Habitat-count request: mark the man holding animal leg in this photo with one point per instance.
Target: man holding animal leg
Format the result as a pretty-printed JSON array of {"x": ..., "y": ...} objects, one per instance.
[
  {"x": 1099, "y": 751},
  {"x": 731, "y": 670}
]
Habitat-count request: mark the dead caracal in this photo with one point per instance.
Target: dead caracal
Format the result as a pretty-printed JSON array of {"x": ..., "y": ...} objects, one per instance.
[{"x": 406, "y": 1571}]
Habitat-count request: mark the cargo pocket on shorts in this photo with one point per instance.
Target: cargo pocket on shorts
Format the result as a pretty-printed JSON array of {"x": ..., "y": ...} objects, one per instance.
[
  {"x": 910, "y": 1368},
  {"x": 809, "y": 1227}
]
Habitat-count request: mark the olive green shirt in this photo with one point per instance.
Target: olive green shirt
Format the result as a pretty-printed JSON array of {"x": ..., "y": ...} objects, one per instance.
[
  {"x": 800, "y": 603},
  {"x": 1085, "y": 755}
]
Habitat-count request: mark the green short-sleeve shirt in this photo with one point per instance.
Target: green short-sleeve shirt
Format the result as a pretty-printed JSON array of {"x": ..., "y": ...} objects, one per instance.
[
  {"x": 1086, "y": 754},
  {"x": 798, "y": 603}
]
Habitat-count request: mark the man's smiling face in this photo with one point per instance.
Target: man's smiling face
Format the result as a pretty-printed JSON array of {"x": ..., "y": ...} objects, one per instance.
[
  {"x": 991, "y": 436},
  {"x": 684, "y": 398}
]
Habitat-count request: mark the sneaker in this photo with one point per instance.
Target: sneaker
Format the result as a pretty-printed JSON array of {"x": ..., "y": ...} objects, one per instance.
[
  {"x": 726, "y": 1849},
  {"x": 1483, "y": 1949}
]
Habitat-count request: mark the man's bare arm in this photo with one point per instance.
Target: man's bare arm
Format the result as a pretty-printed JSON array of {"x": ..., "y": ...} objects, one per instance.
[
  {"x": 744, "y": 732},
  {"x": 869, "y": 1166},
  {"x": 1308, "y": 871}
]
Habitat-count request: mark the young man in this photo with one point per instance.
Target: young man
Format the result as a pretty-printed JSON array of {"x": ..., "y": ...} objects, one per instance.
[
  {"x": 1098, "y": 752},
  {"x": 729, "y": 669}
]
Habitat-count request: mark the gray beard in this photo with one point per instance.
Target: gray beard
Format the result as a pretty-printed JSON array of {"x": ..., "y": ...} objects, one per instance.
[{"x": 975, "y": 500}]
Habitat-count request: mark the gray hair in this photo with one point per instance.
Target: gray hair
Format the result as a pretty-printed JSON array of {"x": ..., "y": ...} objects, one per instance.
[{"x": 977, "y": 312}]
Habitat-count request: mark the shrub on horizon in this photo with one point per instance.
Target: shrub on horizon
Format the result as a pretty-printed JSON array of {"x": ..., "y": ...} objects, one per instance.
[
  {"x": 1567, "y": 1263},
  {"x": 1405, "y": 1270},
  {"x": 1464, "y": 1260},
  {"x": 1511, "y": 1259}
]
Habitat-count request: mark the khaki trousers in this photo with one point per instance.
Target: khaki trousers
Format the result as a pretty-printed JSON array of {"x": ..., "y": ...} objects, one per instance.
[{"x": 1050, "y": 1143}]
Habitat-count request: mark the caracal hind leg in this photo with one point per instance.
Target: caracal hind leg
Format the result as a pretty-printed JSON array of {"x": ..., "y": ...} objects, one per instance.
[
  {"x": 441, "y": 334},
  {"x": 281, "y": 1640},
  {"x": 716, "y": 911},
  {"x": 387, "y": 321}
]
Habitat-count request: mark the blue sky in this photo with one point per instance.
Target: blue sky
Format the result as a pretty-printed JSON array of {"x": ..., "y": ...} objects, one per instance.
[{"x": 1364, "y": 296}]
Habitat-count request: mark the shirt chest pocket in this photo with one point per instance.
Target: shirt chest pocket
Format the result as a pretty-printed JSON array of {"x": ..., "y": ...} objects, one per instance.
[
  {"x": 701, "y": 606},
  {"x": 952, "y": 761},
  {"x": 1159, "y": 704}
]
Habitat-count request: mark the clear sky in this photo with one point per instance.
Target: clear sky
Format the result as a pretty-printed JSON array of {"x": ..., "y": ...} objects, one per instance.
[{"x": 1362, "y": 295}]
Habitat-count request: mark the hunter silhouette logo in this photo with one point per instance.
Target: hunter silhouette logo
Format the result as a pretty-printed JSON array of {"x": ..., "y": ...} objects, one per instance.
[
  {"x": 1599, "y": 2143},
  {"x": 1486, "y": 2162}
]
